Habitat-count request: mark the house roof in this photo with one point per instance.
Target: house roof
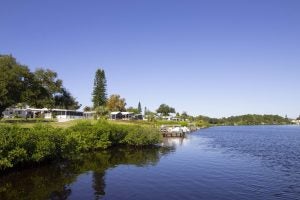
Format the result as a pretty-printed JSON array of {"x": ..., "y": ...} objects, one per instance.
[
  {"x": 115, "y": 113},
  {"x": 126, "y": 113}
]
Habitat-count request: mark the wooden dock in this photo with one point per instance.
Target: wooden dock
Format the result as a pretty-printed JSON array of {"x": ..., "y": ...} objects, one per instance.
[
  {"x": 173, "y": 134},
  {"x": 169, "y": 131},
  {"x": 165, "y": 133}
]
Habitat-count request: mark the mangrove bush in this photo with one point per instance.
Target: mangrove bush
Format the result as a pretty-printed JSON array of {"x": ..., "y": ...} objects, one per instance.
[{"x": 43, "y": 142}]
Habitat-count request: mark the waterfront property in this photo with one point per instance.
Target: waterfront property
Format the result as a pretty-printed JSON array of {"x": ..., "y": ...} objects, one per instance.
[
  {"x": 25, "y": 112},
  {"x": 125, "y": 116},
  {"x": 115, "y": 115},
  {"x": 65, "y": 114},
  {"x": 89, "y": 114},
  {"x": 169, "y": 117},
  {"x": 60, "y": 114}
]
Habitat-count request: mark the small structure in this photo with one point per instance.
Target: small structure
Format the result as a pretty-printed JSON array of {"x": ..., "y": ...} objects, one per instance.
[
  {"x": 25, "y": 112},
  {"x": 296, "y": 121},
  {"x": 169, "y": 117},
  {"x": 174, "y": 131},
  {"x": 115, "y": 115},
  {"x": 127, "y": 115},
  {"x": 138, "y": 117},
  {"x": 89, "y": 114},
  {"x": 60, "y": 114},
  {"x": 64, "y": 115}
]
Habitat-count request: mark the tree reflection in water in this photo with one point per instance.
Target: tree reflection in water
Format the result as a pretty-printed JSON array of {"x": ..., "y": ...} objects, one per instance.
[{"x": 53, "y": 181}]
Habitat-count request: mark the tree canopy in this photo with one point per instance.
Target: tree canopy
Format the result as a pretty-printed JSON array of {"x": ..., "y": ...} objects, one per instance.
[
  {"x": 116, "y": 103},
  {"x": 134, "y": 110},
  {"x": 14, "y": 81},
  {"x": 65, "y": 100},
  {"x": 42, "y": 88},
  {"x": 165, "y": 109}
]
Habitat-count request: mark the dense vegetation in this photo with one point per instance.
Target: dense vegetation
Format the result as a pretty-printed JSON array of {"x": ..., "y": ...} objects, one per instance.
[
  {"x": 246, "y": 120},
  {"x": 164, "y": 109},
  {"x": 41, "y": 88},
  {"x": 20, "y": 146}
]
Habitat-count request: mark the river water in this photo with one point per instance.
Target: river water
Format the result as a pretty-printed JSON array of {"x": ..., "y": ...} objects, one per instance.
[{"x": 245, "y": 162}]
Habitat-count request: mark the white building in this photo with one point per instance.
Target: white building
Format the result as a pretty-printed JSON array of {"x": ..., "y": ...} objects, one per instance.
[
  {"x": 125, "y": 116},
  {"x": 64, "y": 114},
  {"x": 89, "y": 114},
  {"x": 25, "y": 112},
  {"x": 60, "y": 114}
]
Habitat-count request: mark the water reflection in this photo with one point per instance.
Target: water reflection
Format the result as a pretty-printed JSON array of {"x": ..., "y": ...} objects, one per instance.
[
  {"x": 54, "y": 181},
  {"x": 173, "y": 141}
]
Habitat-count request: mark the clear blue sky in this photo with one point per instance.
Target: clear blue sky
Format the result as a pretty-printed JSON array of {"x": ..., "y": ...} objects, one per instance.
[{"x": 215, "y": 58}]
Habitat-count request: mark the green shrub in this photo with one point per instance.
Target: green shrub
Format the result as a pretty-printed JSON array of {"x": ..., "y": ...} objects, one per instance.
[{"x": 43, "y": 142}]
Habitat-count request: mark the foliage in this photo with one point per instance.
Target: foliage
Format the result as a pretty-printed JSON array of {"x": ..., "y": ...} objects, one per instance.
[
  {"x": 139, "y": 108},
  {"x": 14, "y": 80},
  {"x": 184, "y": 115},
  {"x": 65, "y": 100},
  {"x": 142, "y": 136},
  {"x": 132, "y": 109},
  {"x": 165, "y": 109},
  {"x": 42, "y": 88},
  {"x": 99, "y": 93},
  {"x": 87, "y": 109},
  {"x": 116, "y": 103},
  {"x": 246, "y": 120},
  {"x": 43, "y": 142},
  {"x": 202, "y": 124},
  {"x": 47, "y": 86},
  {"x": 101, "y": 111}
]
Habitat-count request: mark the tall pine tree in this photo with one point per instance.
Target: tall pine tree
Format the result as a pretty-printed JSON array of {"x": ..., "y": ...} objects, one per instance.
[
  {"x": 140, "y": 108},
  {"x": 99, "y": 92}
]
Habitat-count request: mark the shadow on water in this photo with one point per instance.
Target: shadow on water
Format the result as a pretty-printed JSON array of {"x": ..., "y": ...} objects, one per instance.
[{"x": 53, "y": 181}]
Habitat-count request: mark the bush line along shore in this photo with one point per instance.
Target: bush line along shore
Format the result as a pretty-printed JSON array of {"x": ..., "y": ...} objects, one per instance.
[{"x": 32, "y": 145}]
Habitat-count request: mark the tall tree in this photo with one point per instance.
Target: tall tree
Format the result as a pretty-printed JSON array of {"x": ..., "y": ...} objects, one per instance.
[
  {"x": 39, "y": 89},
  {"x": 116, "y": 103},
  {"x": 165, "y": 109},
  {"x": 184, "y": 115},
  {"x": 14, "y": 81},
  {"x": 65, "y": 100},
  {"x": 140, "y": 108},
  {"x": 99, "y": 92},
  {"x": 47, "y": 86}
]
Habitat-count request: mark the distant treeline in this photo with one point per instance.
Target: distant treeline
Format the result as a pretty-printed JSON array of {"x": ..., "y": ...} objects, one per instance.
[{"x": 246, "y": 120}]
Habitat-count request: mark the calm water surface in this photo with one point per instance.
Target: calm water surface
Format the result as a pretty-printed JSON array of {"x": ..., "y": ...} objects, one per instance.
[{"x": 256, "y": 162}]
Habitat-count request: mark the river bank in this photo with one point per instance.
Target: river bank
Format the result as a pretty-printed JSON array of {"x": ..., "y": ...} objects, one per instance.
[
  {"x": 42, "y": 142},
  {"x": 224, "y": 162}
]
